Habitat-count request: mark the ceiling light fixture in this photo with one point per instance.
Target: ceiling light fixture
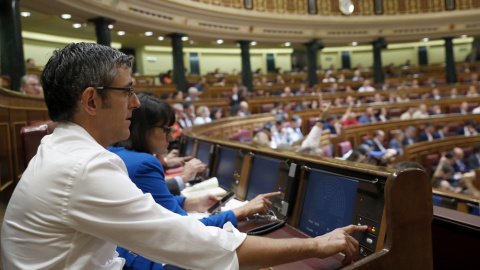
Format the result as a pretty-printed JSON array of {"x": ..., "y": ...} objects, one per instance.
[
  {"x": 66, "y": 16},
  {"x": 110, "y": 26},
  {"x": 287, "y": 44},
  {"x": 148, "y": 33},
  {"x": 121, "y": 33},
  {"x": 185, "y": 38},
  {"x": 354, "y": 43},
  {"x": 464, "y": 36},
  {"x": 77, "y": 25},
  {"x": 220, "y": 41},
  {"x": 160, "y": 38},
  {"x": 253, "y": 43},
  {"x": 425, "y": 39},
  {"x": 25, "y": 14}
]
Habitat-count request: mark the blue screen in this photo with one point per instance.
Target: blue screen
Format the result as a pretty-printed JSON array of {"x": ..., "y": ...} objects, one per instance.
[
  {"x": 225, "y": 167},
  {"x": 328, "y": 203},
  {"x": 203, "y": 152},
  {"x": 263, "y": 177},
  {"x": 189, "y": 147}
]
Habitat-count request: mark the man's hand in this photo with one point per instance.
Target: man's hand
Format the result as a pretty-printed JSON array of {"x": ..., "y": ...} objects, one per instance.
[
  {"x": 191, "y": 169},
  {"x": 172, "y": 160},
  {"x": 324, "y": 110},
  {"x": 200, "y": 204},
  {"x": 260, "y": 204},
  {"x": 340, "y": 240}
]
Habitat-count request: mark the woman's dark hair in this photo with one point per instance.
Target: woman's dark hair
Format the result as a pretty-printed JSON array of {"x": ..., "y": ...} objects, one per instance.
[
  {"x": 152, "y": 112},
  {"x": 73, "y": 69},
  {"x": 214, "y": 111}
]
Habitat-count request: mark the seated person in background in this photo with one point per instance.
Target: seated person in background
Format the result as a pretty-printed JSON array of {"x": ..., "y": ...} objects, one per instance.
[
  {"x": 408, "y": 114},
  {"x": 200, "y": 85},
  {"x": 178, "y": 95},
  {"x": 453, "y": 93},
  {"x": 421, "y": 113},
  {"x": 287, "y": 92},
  {"x": 220, "y": 82},
  {"x": 474, "y": 158},
  {"x": 441, "y": 133},
  {"x": 280, "y": 113},
  {"x": 469, "y": 129},
  {"x": 150, "y": 135},
  {"x": 368, "y": 117},
  {"x": 463, "y": 108},
  {"x": 302, "y": 90},
  {"x": 330, "y": 124},
  {"x": 263, "y": 137},
  {"x": 176, "y": 128},
  {"x": 216, "y": 113},
  {"x": 435, "y": 110},
  {"x": 349, "y": 118},
  {"x": 443, "y": 172},
  {"x": 403, "y": 97},
  {"x": 436, "y": 94},
  {"x": 239, "y": 94},
  {"x": 397, "y": 142},
  {"x": 315, "y": 134},
  {"x": 304, "y": 105},
  {"x": 167, "y": 78},
  {"x": 366, "y": 87},
  {"x": 294, "y": 133},
  {"x": 472, "y": 91},
  {"x": 30, "y": 64},
  {"x": 376, "y": 143},
  {"x": 425, "y": 95},
  {"x": 192, "y": 94},
  {"x": 427, "y": 133},
  {"x": 357, "y": 154},
  {"x": 278, "y": 134},
  {"x": 244, "y": 108},
  {"x": 203, "y": 116},
  {"x": 357, "y": 76},
  {"x": 30, "y": 84},
  {"x": 459, "y": 165},
  {"x": 410, "y": 136},
  {"x": 382, "y": 115},
  {"x": 188, "y": 115},
  {"x": 451, "y": 157}
]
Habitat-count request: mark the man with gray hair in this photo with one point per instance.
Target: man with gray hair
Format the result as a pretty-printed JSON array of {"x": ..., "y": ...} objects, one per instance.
[
  {"x": 410, "y": 136},
  {"x": 30, "y": 84}
]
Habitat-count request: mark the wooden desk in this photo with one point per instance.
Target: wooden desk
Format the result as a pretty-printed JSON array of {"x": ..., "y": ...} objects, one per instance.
[{"x": 332, "y": 262}]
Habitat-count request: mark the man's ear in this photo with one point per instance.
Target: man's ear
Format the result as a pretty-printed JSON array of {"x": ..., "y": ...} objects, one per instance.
[{"x": 90, "y": 101}]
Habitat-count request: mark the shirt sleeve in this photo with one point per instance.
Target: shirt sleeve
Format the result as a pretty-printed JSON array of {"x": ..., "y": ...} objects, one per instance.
[
  {"x": 313, "y": 137},
  {"x": 104, "y": 202}
]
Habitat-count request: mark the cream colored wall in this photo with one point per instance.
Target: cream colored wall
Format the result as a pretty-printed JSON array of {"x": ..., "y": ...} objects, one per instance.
[
  {"x": 226, "y": 62},
  {"x": 152, "y": 60}
]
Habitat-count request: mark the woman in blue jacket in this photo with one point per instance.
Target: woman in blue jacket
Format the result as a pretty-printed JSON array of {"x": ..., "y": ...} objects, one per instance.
[{"x": 150, "y": 134}]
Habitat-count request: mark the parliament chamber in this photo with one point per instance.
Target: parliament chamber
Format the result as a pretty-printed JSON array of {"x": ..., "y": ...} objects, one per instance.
[{"x": 411, "y": 225}]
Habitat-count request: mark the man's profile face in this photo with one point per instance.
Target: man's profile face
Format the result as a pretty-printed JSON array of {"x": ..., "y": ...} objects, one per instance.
[{"x": 114, "y": 117}]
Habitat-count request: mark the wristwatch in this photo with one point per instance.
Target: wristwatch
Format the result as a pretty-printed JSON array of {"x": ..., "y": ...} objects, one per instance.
[{"x": 320, "y": 121}]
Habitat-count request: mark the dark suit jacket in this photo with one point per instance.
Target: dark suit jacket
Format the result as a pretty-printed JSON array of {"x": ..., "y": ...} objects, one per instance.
[
  {"x": 462, "y": 169},
  {"x": 473, "y": 162},
  {"x": 405, "y": 141},
  {"x": 436, "y": 135},
  {"x": 423, "y": 136}
]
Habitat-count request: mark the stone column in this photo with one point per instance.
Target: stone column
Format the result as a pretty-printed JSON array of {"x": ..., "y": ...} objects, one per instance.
[
  {"x": 178, "y": 65},
  {"x": 101, "y": 29},
  {"x": 312, "y": 48},
  {"x": 378, "y": 45},
  {"x": 13, "y": 62},
  {"x": 450, "y": 69},
  {"x": 246, "y": 67}
]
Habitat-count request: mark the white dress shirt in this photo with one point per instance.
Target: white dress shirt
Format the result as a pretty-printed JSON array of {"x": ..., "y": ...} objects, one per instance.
[{"x": 75, "y": 203}]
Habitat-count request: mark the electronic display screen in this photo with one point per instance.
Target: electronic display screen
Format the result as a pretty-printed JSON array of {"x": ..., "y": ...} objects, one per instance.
[
  {"x": 263, "y": 176},
  {"x": 328, "y": 203},
  {"x": 203, "y": 152},
  {"x": 225, "y": 167},
  {"x": 189, "y": 147}
]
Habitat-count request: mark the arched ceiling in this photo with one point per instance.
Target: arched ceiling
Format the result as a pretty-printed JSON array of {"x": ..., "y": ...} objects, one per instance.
[{"x": 205, "y": 23}]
